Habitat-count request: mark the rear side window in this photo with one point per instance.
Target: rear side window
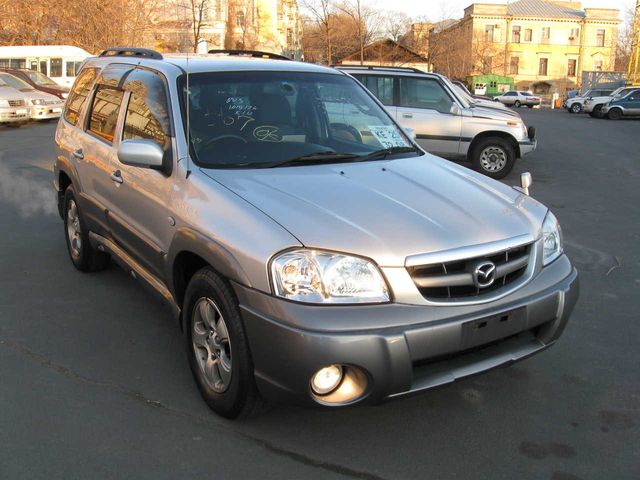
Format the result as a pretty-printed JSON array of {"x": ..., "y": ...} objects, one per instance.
[
  {"x": 79, "y": 94},
  {"x": 380, "y": 86},
  {"x": 424, "y": 93},
  {"x": 147, "y": 115},
  {"x": 104, "y": 112}
]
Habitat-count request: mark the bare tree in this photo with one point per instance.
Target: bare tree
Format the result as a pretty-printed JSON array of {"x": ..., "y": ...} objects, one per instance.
[
  {"x": 198, "y": 10},
  {"x": 365, "y": 19},
  {"x": 396, "y": 25},
  {"x": 320, "y": 14}
]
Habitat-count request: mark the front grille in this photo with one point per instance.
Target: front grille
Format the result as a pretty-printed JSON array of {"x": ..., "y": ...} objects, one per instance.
[
  {"x": 455, "y": 280},
  {"x": 16, "y": 103}
]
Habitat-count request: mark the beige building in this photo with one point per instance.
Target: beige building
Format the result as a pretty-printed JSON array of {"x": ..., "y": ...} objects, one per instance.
[
  {"x": 266, "y": 25},
  {"x": 543, "y": 45}
]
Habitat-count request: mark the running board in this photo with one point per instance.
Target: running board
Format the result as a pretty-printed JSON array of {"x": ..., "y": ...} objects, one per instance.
[{"x": 136, "y": 270}]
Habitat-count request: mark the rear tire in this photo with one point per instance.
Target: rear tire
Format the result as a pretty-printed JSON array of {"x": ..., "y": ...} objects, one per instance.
[
  {"x": 614, "y": 114},
  {"x": 82, "y": 254},
  {"x": 517, "y": 104},
  {"x": 494, "y": 157},
  {"x": 218, "y": 348}
]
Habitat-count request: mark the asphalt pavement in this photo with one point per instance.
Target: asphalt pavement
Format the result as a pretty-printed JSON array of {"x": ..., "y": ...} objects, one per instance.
[{"x": 94, "y": 382}]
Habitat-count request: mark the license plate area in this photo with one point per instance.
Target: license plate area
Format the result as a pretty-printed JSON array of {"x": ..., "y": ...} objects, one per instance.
[{"x": 490, "y": 329}]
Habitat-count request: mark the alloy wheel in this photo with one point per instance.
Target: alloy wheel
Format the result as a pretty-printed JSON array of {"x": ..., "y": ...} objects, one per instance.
[
  {"x": 73, "y": 229},
  {"x": 211, "y": 344},
  {"x": 493, "y": 158}
]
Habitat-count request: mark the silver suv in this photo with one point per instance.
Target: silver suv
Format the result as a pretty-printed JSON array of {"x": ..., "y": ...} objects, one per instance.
[
  {"x": 446, "y": 122},
  {"x": 310, "y": 250}
]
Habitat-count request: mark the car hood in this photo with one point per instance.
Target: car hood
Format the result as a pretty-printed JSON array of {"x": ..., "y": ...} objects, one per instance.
[
  {"x": 10, "y": 93},
  {"x": 496, "y": 113},
  {"x": 387, "y": 210}
]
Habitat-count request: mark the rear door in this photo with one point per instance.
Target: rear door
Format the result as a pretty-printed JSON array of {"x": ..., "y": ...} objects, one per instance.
[
  {"x": 140, "y": 198},
  {"x": 426, "y": 106}
]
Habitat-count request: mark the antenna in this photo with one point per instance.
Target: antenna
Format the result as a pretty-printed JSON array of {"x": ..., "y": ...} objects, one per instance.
[{"x": 188, "y": 100}]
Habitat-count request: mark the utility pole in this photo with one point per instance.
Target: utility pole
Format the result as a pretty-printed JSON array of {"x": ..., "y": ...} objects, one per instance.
[{"x": 633, "y": 70}]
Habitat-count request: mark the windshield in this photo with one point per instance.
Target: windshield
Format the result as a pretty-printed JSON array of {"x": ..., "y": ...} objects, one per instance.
[
  {"x": 16, "y": 82},
  {"x": 620, "y": 93},
  {"x": 261, "y": 119},
  {"x": 40, "y": 78},
  {"x": 464, "y": 94},
  {"x": 452, "y": 87}
]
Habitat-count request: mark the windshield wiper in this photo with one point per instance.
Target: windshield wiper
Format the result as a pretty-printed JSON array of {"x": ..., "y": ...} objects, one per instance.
[
  {"x": 318, "y": 157},
  {"x": 385, "y": 152}
]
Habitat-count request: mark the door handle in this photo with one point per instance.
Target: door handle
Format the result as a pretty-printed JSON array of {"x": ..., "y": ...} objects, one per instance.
[
  {"x": 407, "y": 115},
  {"x": 117, "y": 176},
  {"x": 78, "y": 154}
]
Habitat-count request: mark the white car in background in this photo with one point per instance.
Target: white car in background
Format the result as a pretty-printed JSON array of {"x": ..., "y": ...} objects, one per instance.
[
  {"x": 518, "y": 98},
  {"x": 13, "y": 107},
  {"x": 41, "y": 105},
  {"x": 576, "y": 104}
]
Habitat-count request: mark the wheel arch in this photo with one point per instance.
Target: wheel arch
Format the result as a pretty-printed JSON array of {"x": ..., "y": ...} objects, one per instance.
[
  {"x": 190, "y": 251},
  {"x": 493, "y": 133}
]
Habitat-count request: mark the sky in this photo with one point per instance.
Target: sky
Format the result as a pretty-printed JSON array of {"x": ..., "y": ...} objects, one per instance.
[{"x": 433, "y": 9}]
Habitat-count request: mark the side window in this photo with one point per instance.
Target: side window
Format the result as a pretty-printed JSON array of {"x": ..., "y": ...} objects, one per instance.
[
  {"x": 104, "y": 112},
  {"x": 79, "y": 94},
  {"x": 510, "y": 94},
  {"x": 424, "y": 93},
  {"x": 380, "y": 86},
  {"x": 147, "y": 115}
]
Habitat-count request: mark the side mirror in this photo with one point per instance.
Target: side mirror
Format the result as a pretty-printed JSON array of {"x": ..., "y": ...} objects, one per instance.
[
  {"x": 525, "y": 182},
  {"x": 455, "y": 109},
  {"x": 411, "y": 133},
  {"x": 141, "y": 153}
]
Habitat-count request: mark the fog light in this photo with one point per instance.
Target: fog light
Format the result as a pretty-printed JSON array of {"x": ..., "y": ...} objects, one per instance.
[{"x": 326, "y": 379}]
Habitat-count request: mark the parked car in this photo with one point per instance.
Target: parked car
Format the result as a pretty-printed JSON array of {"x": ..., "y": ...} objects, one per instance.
[
  {"x": 39, "y": 81},
  {"x": 42, "y": 106},
  {"x": 445, "y": 122},
  {"x": 13, "y": 107},
  {"x": 518, "y": 98},
  {"x": 623, "y": 106},
  {"x": 575, "y": 104},
  {"x": 478, "y": 101},
  {"x": 311, "y": 250},
  {"x": 593, "y": 106},
  {"x": 462, "y": 86}
]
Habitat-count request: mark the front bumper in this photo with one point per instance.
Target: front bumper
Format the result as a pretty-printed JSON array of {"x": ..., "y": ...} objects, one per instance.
[
  {"x": 403, "y": 349},
  {"x": 530, "y": 144},
  {"x": 11, "y": 115},
  {"x": 46, "y": 112}
]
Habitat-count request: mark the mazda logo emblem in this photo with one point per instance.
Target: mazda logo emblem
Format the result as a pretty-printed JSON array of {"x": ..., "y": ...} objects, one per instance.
[{"x": 484, "y": 274}]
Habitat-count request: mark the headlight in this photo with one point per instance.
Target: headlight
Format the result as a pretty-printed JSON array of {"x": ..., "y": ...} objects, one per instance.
[
  {"x": 64, "y": 95},
  {"x": 551, "y": 238},
  {"x": 4, "y": 103},
  {"x": 37, "y": 101},
  {"x": 315, "y": 276}
]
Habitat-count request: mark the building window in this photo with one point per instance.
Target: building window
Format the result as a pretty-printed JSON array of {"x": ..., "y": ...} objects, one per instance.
[
  {"x": 545, "y": 35},
  {"x": 600, "y": 38},
  {"x": 515, "y": 35},
  {"x": 488, "y": 33},
  {"x": 571, "y": 68},
  {"x": 56, "y": 68},
  {"x": 597, "y": 65},
  {"x": 528, "y": 34},
  {"x": 240, "y": 19},
  {"x": 513, "y": 65},
  {"x": 573, "y": 36},
  {"x": 542, "y": 66}
]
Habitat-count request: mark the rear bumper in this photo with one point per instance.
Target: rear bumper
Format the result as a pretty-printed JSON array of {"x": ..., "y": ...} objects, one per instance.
[{"x": 414, "y": 354}]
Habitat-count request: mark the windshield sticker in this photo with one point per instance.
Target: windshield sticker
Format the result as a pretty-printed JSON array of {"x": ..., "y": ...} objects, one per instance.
[{"x": 388, "y": 136}]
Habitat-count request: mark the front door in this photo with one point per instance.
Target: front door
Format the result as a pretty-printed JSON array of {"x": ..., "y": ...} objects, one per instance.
[
  {"x": 633, "y": 103},
  {"x": 426, "y": 106},
  {"x": 140, "y": 198}
]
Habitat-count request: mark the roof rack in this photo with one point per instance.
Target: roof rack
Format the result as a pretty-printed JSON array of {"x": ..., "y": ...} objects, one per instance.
[
  {"x": 131, "y": 52},
  {"x": 374, "y": 67},
  {"x": 249, "y": 53}
]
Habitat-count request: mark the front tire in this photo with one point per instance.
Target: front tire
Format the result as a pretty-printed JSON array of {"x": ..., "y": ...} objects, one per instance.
[
  {"x": 82, "y": 254},
  {"x": 494, "y": 157},
  {"x": 517, "y": 104},
  {"x": 217, "y": 346},
  {"x": 614, "y": 114},
  {"x": 575, "y": 108},
  {"x": 597, "y": 112}
]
